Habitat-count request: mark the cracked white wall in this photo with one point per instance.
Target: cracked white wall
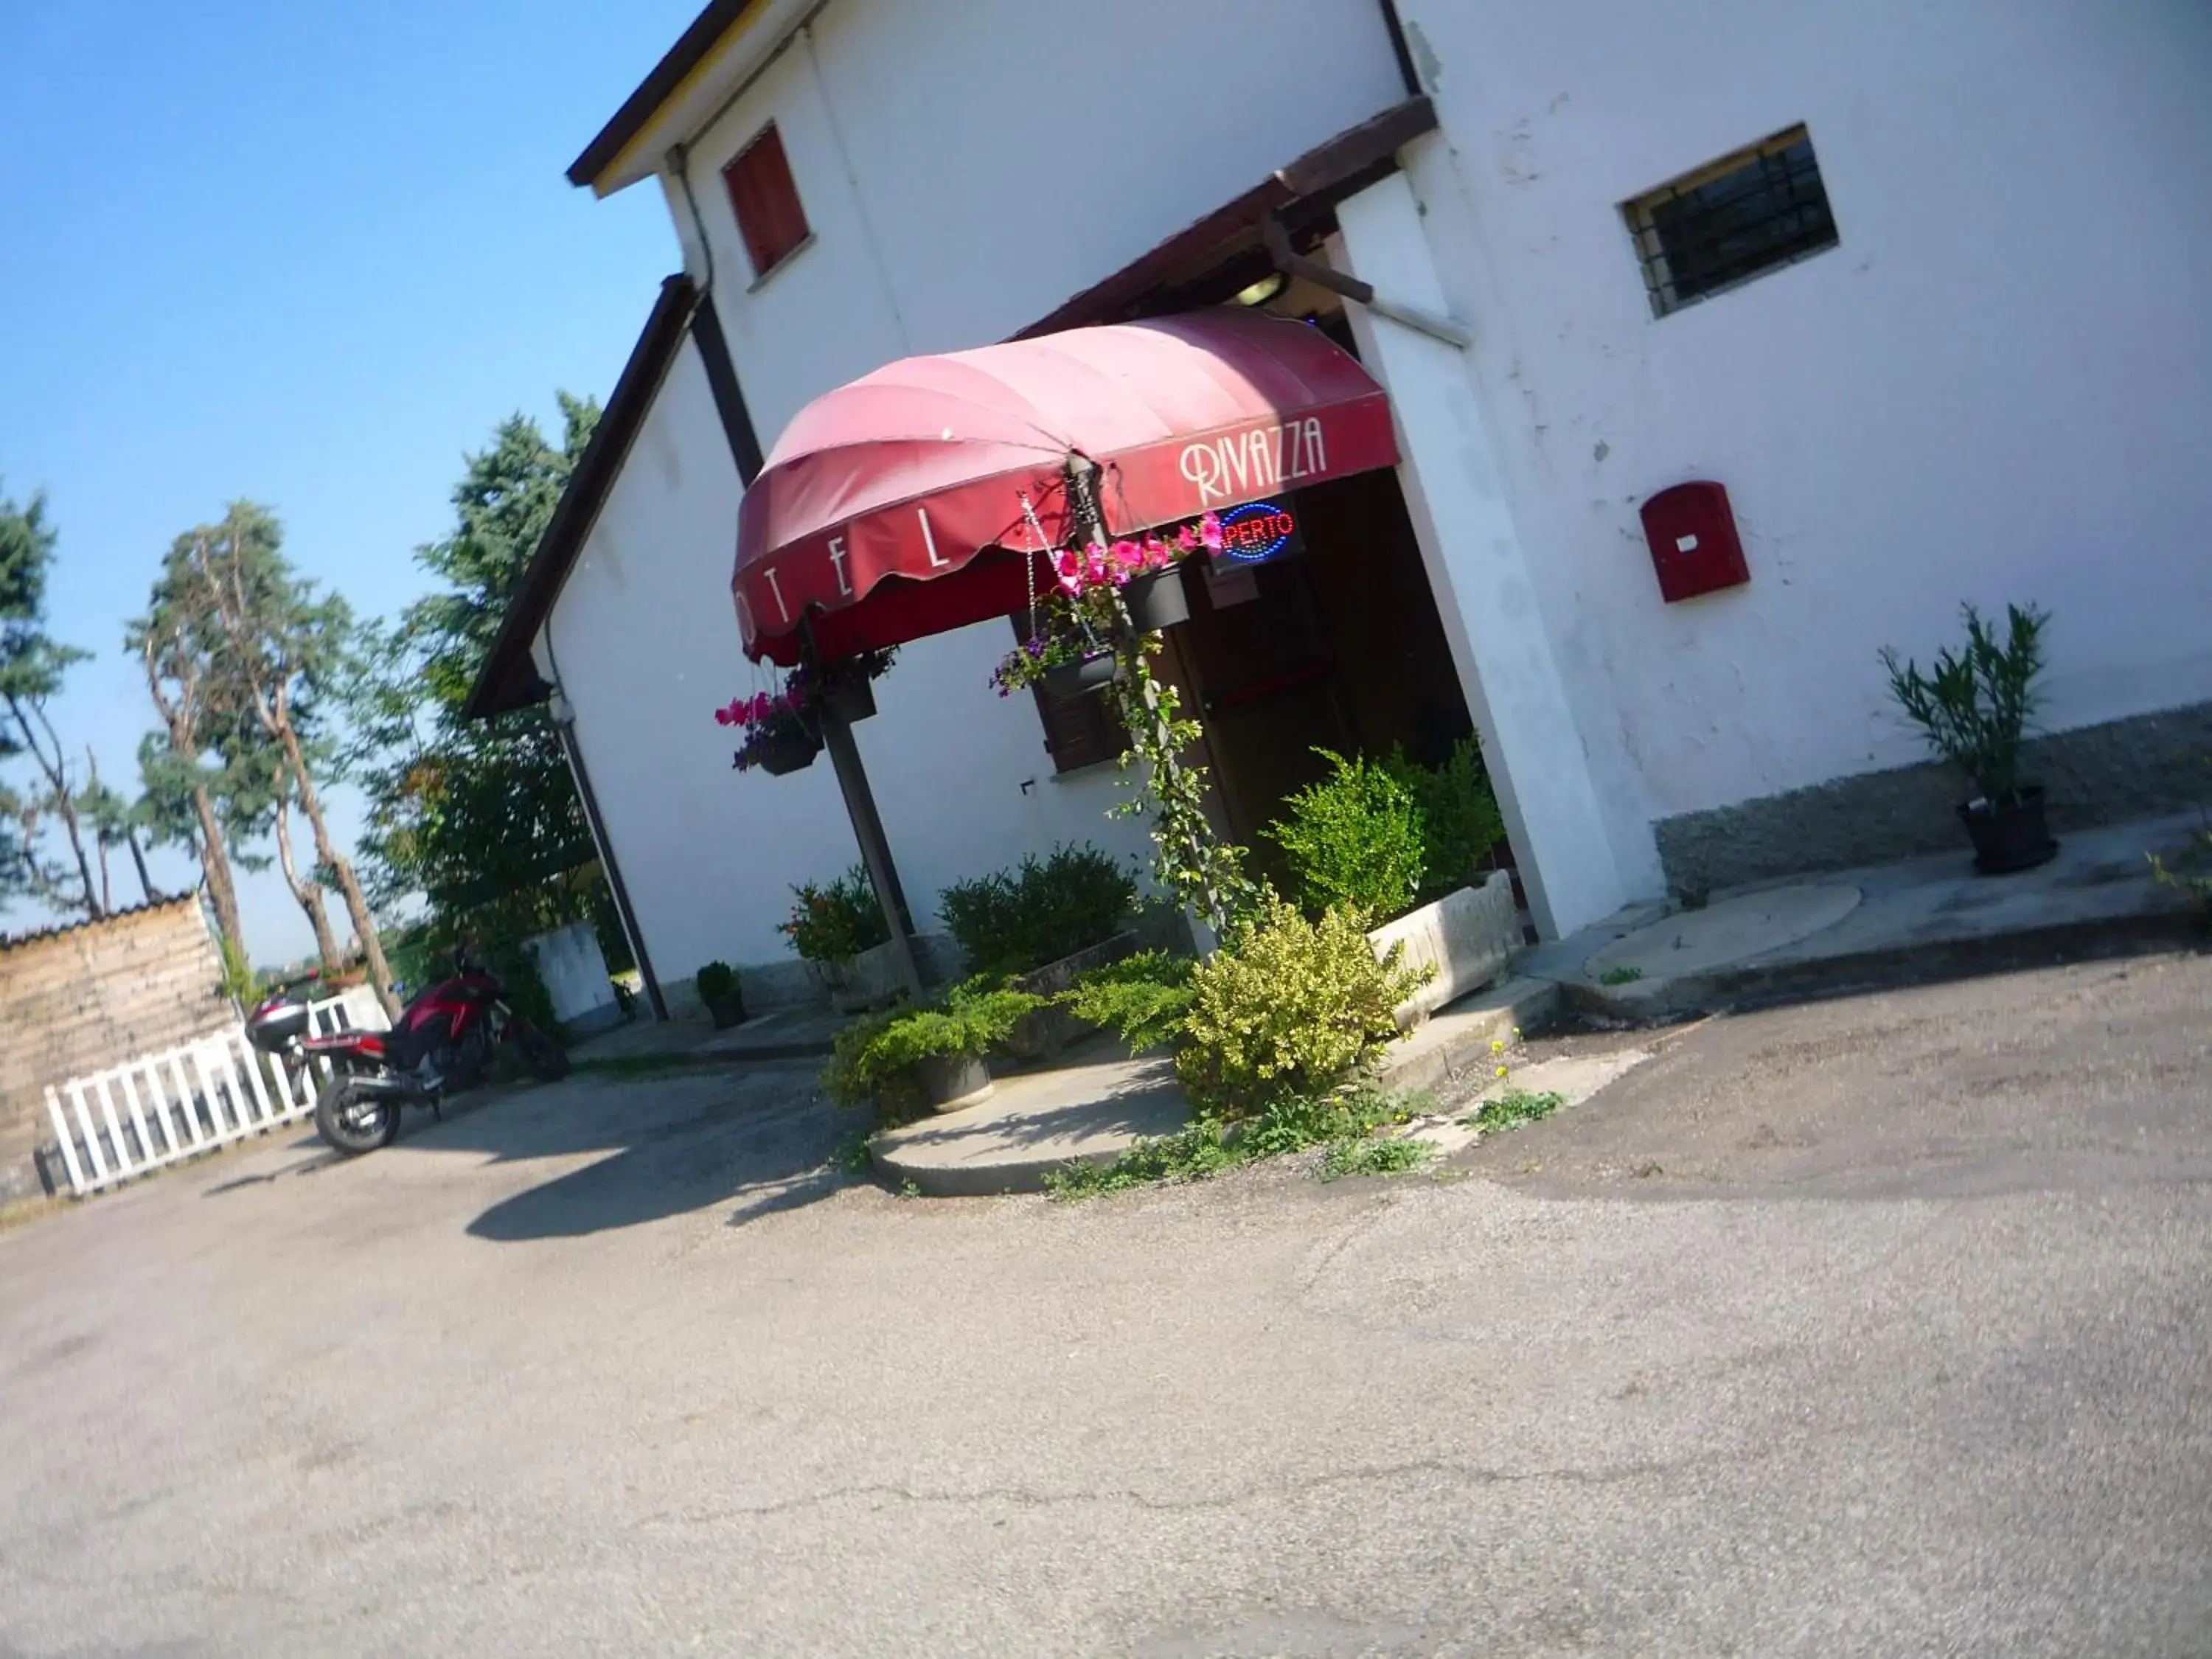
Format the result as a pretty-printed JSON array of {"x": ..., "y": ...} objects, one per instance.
[{"x": 1998, "y": 387}]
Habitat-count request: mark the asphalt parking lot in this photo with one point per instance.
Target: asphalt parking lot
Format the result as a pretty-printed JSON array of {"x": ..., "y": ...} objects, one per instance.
[{"x": 1873, "y": 1326}]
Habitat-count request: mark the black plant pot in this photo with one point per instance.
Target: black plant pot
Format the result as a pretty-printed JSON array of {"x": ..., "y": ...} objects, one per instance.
[
  {"x": 1072, "y": 679},
  {"x": 2012, "y": 836},
  {"x": 787, "y": 751},
  {"x": 727, "y": 1010},
  {"x": 952, "y": 1081},
  {"x": 855, "y": 702},
  {"x": 1156, "y": 599}
]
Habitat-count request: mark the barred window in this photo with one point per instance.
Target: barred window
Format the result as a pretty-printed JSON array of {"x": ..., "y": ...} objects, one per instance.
[{"x": 1743, "y": 216}]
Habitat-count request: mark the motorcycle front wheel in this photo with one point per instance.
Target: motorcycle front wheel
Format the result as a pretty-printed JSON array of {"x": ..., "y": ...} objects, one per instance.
[
  {"x": 353, "y": 1122},
  {"x": 544, "y": 1058}
]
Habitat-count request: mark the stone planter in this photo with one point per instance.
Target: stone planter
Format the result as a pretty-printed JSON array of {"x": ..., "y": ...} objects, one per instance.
[
  {"x": 951, "y": 1082},
  {"x": 1467, "y": 936},
  {"x": 871, "y": 980},
  {"x": 1042, "y": 1035}
]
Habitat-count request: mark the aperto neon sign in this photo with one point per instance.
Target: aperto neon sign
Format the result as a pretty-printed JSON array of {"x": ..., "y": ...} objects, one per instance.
[{"x": 1258, "y": 532}]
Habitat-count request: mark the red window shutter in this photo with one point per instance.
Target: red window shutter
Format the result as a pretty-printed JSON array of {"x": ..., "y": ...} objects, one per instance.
[
  {"x": 766, "y": 201},
  {"x": 1078, "y": 731}
]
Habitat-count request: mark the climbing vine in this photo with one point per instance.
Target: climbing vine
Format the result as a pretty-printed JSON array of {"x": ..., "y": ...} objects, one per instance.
[{"x": 1204, "y": 871}]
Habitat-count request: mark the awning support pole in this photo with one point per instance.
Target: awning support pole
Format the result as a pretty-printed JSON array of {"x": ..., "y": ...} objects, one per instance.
[{"x": 868, "y": 830}]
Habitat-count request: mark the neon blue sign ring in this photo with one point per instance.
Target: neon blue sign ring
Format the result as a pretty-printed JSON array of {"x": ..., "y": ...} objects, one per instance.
[{"x": 1255, "y": 532}]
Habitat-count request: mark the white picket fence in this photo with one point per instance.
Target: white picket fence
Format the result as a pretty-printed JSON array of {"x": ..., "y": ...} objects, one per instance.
[{"x": 160, "y": 1109}]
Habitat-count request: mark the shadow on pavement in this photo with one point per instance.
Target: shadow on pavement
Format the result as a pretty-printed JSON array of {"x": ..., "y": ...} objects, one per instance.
[{"x": 761, "y": 1135}]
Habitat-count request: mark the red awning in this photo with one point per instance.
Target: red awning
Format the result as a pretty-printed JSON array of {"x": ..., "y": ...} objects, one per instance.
[{"x": 893, "y": 508}]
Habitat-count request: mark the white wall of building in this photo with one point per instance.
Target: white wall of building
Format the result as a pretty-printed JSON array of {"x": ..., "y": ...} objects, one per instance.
[
  {"x": 644, "y": 641},
  {"x": 965, "y": 169},
  {"x": 1999, "y": 386}
]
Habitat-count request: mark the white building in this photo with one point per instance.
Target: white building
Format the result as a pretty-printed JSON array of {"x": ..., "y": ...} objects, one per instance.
[{"x": 1919, "y": 285}]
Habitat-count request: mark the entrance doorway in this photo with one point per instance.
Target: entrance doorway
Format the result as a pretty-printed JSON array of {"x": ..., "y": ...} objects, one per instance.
[
  {"x": 1336, "y": 645},
  {"x": 1333, "y": 642}
]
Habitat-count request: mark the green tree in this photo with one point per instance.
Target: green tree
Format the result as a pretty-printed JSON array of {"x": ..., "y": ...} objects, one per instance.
[
  {"x": 54, "y": 808},
  {"x": 186, "y": 799},
  {"x": 262, "y": 643},
  {"x": 480, "y": 816}
]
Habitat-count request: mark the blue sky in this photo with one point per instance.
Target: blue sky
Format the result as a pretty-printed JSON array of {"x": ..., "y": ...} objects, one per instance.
[{"x": 305, "y": 253}]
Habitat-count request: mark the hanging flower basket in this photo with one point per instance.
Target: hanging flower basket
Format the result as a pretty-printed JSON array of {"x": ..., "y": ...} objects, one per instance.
[
  {"x": 1157, "y": 599},
  {"x": 777, "y": 753},
  {"x": 853, "y": 701},
  {"x": 1065, "y": 680},
  {"x": 846, "y": 686},
  {"x": 780, "y": 732}
]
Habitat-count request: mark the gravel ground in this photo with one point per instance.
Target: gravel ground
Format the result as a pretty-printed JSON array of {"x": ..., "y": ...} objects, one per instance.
[{"x": 1869, "y": 1327}]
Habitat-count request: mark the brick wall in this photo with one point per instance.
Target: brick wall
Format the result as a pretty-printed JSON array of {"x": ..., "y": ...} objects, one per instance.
[{"x": 90, "y": 997}]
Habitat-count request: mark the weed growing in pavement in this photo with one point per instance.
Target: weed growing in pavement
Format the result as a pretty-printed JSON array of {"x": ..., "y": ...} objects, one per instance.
[
  {"x": 909, "y": 1188},
  {"x": 1344, "y": 1117},
  {"x": 1621, "y": 975},
  {"x": 852, "y": 1154},
  {"x": 1511, "y": 1109},
  {"x": 1373, "y": 1157},
  {"x": 2193, "y": 881},
  {"x": 1512, "y": 1105}
]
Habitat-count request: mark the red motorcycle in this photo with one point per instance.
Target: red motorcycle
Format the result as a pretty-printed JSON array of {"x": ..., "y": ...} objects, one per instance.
[{"x": 445, "y": 1039}]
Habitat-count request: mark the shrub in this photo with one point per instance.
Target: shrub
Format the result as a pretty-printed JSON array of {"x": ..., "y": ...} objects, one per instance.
[
  {"x": 873, "y": 1058},
  {"x": 716, "y": 982},
  {"x": 1354, "y": 840},
  {"x": 2191, "y": 877},
  {"x": 1142, "y": 999},
  {"x": 1973, "y": 706},
  {"x": 837, "y": 921},
  {"x": 1460, "y": 819},
  {"x": 1290, "y": 1011},
  {"x": 1010, "y": 921}
]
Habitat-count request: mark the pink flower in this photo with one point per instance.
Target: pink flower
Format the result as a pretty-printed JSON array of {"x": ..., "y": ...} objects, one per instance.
[{"x": 1209, "y": 531}]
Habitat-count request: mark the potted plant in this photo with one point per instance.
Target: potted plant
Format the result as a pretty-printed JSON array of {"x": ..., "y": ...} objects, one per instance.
[
  {"x": 1147, "y": 571},
  {"x": 847, "y": 685},
  {"x": 832, "y": 925},
  {"x": 1064, "y": 662},
  {"x": 933, "y": 1053},
  {"x": 1973, "y": 706},
  {"x": 781, "y": 733},
  {"x": 719, "y": 988}
]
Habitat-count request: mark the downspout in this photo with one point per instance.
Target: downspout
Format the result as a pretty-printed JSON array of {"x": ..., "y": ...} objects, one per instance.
[
  {"x": 705, "y": 327},
  {"x": 563, "y": 713},
  {"x": 1407, "y": 72}
]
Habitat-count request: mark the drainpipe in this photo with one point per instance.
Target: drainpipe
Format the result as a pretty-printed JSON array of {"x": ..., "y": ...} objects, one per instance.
[
  {"x": 1407, "y": 72},
  {"x": 564, "y": 723}
]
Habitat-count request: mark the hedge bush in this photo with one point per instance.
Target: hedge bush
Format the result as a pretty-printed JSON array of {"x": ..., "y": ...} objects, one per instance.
[
  {"x": 1012, "y": 920},
  {"x": 1291, "y": 1011},
  {"x": 1354, "y": 840}
]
